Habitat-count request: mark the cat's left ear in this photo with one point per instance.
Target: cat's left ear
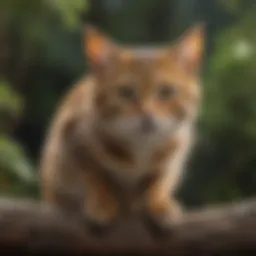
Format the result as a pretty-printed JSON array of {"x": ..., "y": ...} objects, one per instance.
[{"x": 190, "y": 46}]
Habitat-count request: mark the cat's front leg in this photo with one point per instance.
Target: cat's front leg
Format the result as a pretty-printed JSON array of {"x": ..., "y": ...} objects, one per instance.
[
  {"x": 162, "y": 209},
  {"x": 101, "y": 208},
  {"x": 162, "y": 212}
]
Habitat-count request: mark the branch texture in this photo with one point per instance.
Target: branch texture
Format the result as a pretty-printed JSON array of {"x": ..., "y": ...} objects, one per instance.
[{"x": 31, "y": 227}]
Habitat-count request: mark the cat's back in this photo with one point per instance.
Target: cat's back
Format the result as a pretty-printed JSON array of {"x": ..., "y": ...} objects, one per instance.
[
  {"x": 74, "y": 107},
  {"x": 77, "y": 102},
  {"x": 79, "y": 98}
]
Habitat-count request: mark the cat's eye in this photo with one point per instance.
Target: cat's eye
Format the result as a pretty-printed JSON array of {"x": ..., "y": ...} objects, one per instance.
[
  {"x": 127, "y": 92},
  {"x": 166, "y": 91}
]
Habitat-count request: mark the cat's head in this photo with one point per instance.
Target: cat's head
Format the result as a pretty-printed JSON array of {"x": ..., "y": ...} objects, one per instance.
[{"x": 145, "y": 91}]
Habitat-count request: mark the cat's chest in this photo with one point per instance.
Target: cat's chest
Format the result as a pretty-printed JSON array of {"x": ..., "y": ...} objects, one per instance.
[
  {"x": 130, "y": 177},
  {"x": 141, "y": 166}
]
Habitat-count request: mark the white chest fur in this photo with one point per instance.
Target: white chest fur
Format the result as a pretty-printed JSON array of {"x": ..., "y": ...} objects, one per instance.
[{"x": 142, "y": 150}]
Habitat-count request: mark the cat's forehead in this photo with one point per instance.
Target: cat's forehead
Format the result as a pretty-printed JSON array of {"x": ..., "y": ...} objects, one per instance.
[
  {"x": 148, "y": 63},
  {"x": 144, "y": 53},
  {"x": 145, "y": 61}
]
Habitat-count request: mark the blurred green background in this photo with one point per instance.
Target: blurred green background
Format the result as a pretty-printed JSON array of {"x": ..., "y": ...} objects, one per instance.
[{"x": 41, "y": 57}]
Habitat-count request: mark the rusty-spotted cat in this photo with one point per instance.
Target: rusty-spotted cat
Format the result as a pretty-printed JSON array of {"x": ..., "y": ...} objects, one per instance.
[{"x": 121, "y": 136}]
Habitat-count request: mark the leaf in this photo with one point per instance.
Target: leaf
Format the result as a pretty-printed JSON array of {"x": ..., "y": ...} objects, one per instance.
[
  {"x": 10, "y": 101},
  {"x": 14, "y": 161}
]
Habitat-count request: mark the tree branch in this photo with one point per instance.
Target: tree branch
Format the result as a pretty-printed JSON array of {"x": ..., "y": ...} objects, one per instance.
[{"x": 32, "y": 227}]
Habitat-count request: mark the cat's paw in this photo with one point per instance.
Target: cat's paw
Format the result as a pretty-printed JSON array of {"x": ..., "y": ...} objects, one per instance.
[
  {"x": 101, "y": 217},
  {"x": 162, "y": 216},
  {"x": 97, "y": 228}
]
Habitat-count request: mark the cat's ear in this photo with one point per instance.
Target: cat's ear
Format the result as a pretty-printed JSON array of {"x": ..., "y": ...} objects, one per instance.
[
  {"x": 97, "y": 46},
  {"x": 190, "y": 47}
]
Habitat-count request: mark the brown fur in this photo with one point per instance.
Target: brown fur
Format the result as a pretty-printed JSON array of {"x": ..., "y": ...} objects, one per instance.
[{"x": 110, "y": 150}]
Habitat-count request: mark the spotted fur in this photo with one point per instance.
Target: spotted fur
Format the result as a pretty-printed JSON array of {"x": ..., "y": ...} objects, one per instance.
[{"x": 121, "y": 137}]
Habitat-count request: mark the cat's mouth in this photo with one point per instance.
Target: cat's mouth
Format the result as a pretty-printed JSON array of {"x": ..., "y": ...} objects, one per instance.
[{"x": 148, "y": 125}]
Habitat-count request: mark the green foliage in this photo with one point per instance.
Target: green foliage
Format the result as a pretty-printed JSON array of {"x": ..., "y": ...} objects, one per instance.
[
  {"x": 14, "y": 161},
  {"x": 69, "y": 11},
  {"x": 30, "y": 22},
  {"x": 11, "y": 104},
  {"x": 230, "y": 93},
  {"x": 16, "y": 171},
  {"x": 228, "y": 119},
  {"x": 231, "y": 5}
]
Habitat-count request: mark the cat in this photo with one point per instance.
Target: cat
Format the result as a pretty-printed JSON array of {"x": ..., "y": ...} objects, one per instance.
[{"x": 119, "y": 139}]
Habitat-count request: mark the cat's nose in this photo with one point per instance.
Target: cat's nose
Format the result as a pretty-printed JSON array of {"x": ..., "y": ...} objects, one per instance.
[{"x": 147, "y": 123}]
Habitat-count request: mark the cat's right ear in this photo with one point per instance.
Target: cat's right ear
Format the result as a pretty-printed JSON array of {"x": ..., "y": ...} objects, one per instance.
[{"x": 98, "y": 48}]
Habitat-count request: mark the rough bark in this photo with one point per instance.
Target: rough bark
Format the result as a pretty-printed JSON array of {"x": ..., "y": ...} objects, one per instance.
[{"x": 32, "y": 228}]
